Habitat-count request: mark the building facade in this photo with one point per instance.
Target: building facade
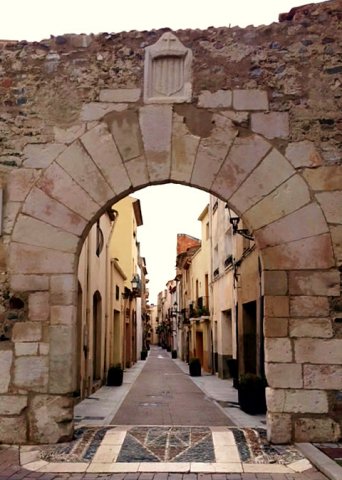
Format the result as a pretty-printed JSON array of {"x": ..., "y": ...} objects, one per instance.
[{"x": 111, "y": 296}]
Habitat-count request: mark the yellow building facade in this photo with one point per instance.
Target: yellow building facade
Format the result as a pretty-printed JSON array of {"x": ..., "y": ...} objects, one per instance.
[{"x": 109, "y": 308}]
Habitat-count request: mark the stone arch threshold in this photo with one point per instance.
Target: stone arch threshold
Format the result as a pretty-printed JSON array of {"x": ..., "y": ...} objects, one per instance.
[{"x": 233, "y": 154}]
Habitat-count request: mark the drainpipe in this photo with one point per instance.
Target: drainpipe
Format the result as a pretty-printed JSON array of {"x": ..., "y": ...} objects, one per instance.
[{"x": 108, "y": 299}]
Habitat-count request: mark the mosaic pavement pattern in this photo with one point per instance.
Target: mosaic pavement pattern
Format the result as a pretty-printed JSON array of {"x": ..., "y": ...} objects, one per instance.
[
  {"x": 167, "y": 444},
  {"x": 170, "y": 444}
]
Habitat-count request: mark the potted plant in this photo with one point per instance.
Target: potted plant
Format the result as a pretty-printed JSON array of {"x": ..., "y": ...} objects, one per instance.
[
  {"x": 174, "y": 353},
  {"x": 143, "y": 354},
  {"x": 115, "y": 375},
  {"x": 195, "y": 367},
  {"x": 251, "y": 393}
]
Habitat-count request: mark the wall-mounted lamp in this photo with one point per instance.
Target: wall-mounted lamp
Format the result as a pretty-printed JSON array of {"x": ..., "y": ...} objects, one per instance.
[
  {"x": 136, "y": 284},
  {"x": 244, "y": 232}
]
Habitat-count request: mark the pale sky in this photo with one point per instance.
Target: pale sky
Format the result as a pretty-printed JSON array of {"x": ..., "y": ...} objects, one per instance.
[{"x": 169, "y": 209}]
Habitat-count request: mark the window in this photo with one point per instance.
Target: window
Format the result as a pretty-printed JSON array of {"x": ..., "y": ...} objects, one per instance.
[
  {"x": 117, "y": 292},
  {"x": 99, "y": 239}
]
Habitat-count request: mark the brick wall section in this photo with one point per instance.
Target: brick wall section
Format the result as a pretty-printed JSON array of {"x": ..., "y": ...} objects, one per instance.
[{"x": 184, "y": 242}]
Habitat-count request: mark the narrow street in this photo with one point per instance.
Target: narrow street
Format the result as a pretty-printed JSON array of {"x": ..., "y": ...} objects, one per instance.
[{"x": 164, "y": 395}]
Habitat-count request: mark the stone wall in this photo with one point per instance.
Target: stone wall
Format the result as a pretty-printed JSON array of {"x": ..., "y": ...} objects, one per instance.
[{"x": 261, "y": 130}]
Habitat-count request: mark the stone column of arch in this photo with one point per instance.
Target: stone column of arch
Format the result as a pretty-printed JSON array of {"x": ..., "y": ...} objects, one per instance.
[{"x": 97, "y": 144}]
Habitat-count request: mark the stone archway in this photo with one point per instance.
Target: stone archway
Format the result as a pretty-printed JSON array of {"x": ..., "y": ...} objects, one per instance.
[{"x": 232, "y": 142}]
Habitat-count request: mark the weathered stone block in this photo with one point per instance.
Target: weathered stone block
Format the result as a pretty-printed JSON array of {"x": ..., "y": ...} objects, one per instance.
[
  {"x": 39, "y": 307},
  {"x": 45, "y": 208},
  {"x": 11, "y": 210},
  {"x": 68, "y": 135},
  {"x": 279, "y": 428},
  {"x": 250, "y": 100},
  {"x": 80, "y": 166},
  {"x": 101, "y": 146},
  {"x": 125, "y": 129},
  {"x": 26, "y": 283},
  {"x": 19, "y": 184},
  {"x": 184, "y": 149},
  {"x": 324, "y": 178},
  {"x": 6, "y": 357},
  {"x": 63, "y": 289},
  {"x": 62, "y": 358},
  {"x": 308, "y": 253},
  {"x": 31, "y": 373},
  {"x": 309, "y": 306},
  {"x": 212, "y": 151},
  {"x": 314, "y": 283},
  {"x": 97, "y": 110},
  {"x": 331, "y": 203},
  {"x": 27, "y": 332},
  {"x": 137, "y": 172},
  {"x": 311, "y": 327},
  {"x": 277, "y": 306},
  {"x": 276, "y": 327},
  {"x": 13, "y": 430},
  {"x": 50, "y": 419},
  {"x": 316, "y": 430},
  {"x": 44, "y": 348},
  {"x": 244, "y": 156},
  {"x": 303, "y": 154},
  {"x": 271, "y": 124},
  {"x": 79, "y": 41},
  {"x": 31, "y": 259},
  {"x": 303, "y": 401},
  {"x": 326, "y": 377},
  {"x": 287, "y": 198},
  {"x": 219, "y": 99},
  {"x": 284, "y": 375},
  {"x": 35, "y": 232},
  {"x": 63, "y": 315},
  {"x": 56, "y": 183},
  {"x": 41, "y": 155},
  {"x": 12, "y": 404},
  {"x": 271, "y": 172},
  {"x": 156, "y": 127},
  {"x": 336, "y": 237},
  {"x": 120, "y": 95},
  {"x": 275, "y": 283},
  {"x": 278, "y": 350},
  {"x": 26, "y": 349},
  {"x": 305, "y": 222},
  {"x": 275, "y": 399},
  {"x": 316, "y": 350}
]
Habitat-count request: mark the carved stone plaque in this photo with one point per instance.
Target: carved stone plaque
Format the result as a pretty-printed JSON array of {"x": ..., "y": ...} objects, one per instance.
[{"x": 167, "y": 76}]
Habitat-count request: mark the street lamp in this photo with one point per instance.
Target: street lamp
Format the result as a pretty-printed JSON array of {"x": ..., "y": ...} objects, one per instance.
[
  {"x": 244, "y": 232},
  {"x": 136, "y": 284}
]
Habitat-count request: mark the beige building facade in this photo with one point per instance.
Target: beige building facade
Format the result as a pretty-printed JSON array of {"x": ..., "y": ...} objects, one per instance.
[
  {"x": 263, "y": 139},
  {"x": 236, "y": 295},
  {"x": 110, "y": 315}
]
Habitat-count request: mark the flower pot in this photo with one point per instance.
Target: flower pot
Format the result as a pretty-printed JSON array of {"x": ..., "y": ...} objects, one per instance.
[
  {"x": 114, "y": 376},
  {"x": 143, "y": 354},
  {"x": 195, "y": 367},
  {"x": 174, "y": 354}
]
